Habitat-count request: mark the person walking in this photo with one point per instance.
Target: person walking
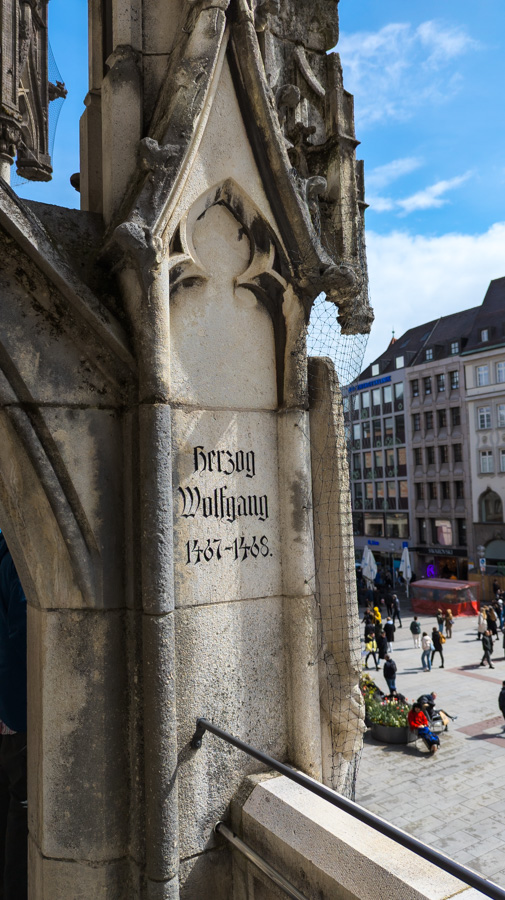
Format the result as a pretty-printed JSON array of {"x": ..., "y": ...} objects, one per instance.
[
  {"x": 415, "y": 628},
  {"x": 448, "y": 623},
  {"x": 371, "y": 648},
  {"x": 396, "y": 610},
  {"x": 382, "y": 645},
  {"x": 487, "y": 646},
  {"x": 440, "y": 621},
  {"x": 426, "y": 654},
  {"x": 501, "y": 701},
  {"x": 482, "y": 623},
  {"x": 390, "y": 673},
  {"x": 438, "y": 641},
  {"x": 492, "y": 622},
  {"x": 389, "y": 631},
  {"x": 13, "y": 766}
]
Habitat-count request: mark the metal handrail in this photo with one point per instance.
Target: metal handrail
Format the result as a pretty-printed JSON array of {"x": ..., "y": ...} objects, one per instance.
[{"x": 400, "y": 837}]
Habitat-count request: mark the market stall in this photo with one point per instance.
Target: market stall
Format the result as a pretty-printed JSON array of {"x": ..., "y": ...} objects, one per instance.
[{"x": 432, "y": 594}]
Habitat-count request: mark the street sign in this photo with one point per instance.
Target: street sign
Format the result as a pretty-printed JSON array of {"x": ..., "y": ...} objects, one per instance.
[{"x": 482, "y": 564}]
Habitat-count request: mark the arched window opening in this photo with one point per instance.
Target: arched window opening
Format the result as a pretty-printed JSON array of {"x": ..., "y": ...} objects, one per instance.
[{"x": 490, "y": 507}]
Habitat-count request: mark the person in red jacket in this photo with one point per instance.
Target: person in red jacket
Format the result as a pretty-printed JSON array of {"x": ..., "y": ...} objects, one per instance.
[{"x": 418, "y": 722}]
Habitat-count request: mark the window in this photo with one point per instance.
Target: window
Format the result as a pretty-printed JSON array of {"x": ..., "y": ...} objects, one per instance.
[
  {"x": 391, "y": 489},
  {"x": 445, "y": 490},
  {"x": 366, "y": 434},
  {"x": 482, "y": 373},
  {"x": 459, "y": 488},
  {"x": 427, "y": 385},
  {"x": 432, "y": 490},
  {"x": 369, "y": 490},
  {"x": 500, "y": 409},
  {"x": 357, "y": 525},
  {"x": 421, "y": 531},
  {"x": 441, "y": 530},
  {"x": 490, "y": 507},
  {"x": 442, "y": 418},
  {"x": 486, "y": 461},
  {"x": 375, "y": 369},
  {"x": 419, "y": 491},
  {"x": 378, "y": 461},
  {"x": 454, "y": 347},
  {"x": 444, "y": 454},
  {"x": 397, "y": 525},
  {"x": 367, "y": 464},
  {"x": 414, "y": 386},
  {"x": 401, "y": 460},
  {"x": 387, "y": 395},
  {"x": 484, "y": 335},
  {"x": 418, "y": 456},
  {"x": 390, "y": 463},
  {"x": 400, "y": 429},
  {"x": 399, "y": 362},
  {"x": 454, "y": 376},
  {"x": 457, "y": 453},
  {"x": 379, "y": 493},
  {"x": 365, "y": 403},
  {"x": 376, "y": 397},
  {"x": 403, "y": 488},
  {"x": 356, "y": 433},
  {"x": 502, "y": 460},
  {"x": 440, "y": 383},
  {"x": 358, "y": 495},
  {"x": 399, "y": 393},
  {"x": 455, "y": 416},
  {"x": 461, "y": 526},
  {"x": 374, "y": 526},
  {"x": 377, "y": 433},
  {"x": 355, "y": 402},
  {"x": 388, "y": 432},
  {"x": 356, "y": 465},
  {"x": 428, "y": 421},
  {"x": 484, "y": 416},
  {"x": 430, "y": 456},
  {"x": 500, "y": 372},
  {"x": 429, "y": 354}
]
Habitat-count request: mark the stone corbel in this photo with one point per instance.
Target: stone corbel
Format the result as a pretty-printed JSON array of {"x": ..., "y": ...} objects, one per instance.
[
  {"x": 142, "y": 247},
  {"x": 265, "y": 9}
]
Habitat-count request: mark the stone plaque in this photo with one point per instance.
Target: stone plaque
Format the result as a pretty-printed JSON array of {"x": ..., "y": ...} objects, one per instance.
[{"x": 226, "y": 508}]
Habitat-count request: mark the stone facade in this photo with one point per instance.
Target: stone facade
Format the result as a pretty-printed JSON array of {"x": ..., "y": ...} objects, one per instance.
[{"x": 157, "y": 479}]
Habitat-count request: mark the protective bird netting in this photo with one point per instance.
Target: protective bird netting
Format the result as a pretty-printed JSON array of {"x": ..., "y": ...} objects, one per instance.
[{"x": 335, "y": 361}]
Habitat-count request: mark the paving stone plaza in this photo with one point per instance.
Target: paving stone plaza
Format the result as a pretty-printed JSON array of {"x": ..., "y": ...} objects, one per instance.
[{"x": 454, "y": 800}]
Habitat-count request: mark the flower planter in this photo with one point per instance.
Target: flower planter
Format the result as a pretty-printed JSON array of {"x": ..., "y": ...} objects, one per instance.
[{"x": 390, "y": 734}]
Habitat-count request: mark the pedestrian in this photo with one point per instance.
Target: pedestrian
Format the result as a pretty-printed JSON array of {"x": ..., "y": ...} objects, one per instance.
[
  {"x": 487, "y": 646},
  {"x": 377, "y": 615},
  {"x": 389, "y": 670},
  {"x": 382, "y": 645},
  {"x": 371, "y": 648},
  {"x": 438, "y": 641},
  {"x": 396, "y": 610},
  {"x": 496, "y": 587},
  {"x": 499, "y": 603},
  {"x": 419, "y": 723},
  {"x": 440, "y": 621},
  {"x": 13, "y": 797},
  {"x": 389, "y": 603},
  {"x": 482, "y": 623},
  {"x": 389, "y": 631},
  {"x": 415, "y": 628},
  {"x": 448, "y": 623},
  {"x": 492, "y": 622},
  {"x": 426, "y": 654},
  {"x": 501, "y": 701}
]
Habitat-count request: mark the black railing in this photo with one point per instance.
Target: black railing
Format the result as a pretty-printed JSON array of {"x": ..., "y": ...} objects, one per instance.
[{"x": 428, "y": 853}]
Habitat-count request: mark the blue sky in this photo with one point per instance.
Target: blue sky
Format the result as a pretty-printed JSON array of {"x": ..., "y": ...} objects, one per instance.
[{"x": 428, "y": 83}]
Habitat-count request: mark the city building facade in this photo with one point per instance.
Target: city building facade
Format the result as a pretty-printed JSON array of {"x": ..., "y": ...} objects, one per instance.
[{"x": 445, "y": 447}]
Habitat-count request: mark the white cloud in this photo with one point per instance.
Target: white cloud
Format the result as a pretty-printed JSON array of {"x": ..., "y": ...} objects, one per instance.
[
  {"x": 433, "y": 196},
  {"x": 381, "y": 176},
  {"x": 414, "y": 279},
  {"x": 397, "y": 69}
]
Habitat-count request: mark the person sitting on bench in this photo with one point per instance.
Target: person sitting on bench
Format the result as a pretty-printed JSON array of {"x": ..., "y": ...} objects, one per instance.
[{"x": 419, "y": 723}]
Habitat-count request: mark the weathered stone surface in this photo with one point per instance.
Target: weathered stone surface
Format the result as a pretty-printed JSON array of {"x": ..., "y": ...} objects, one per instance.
[
  {"x": 77, "y": 726},
  {"x": 231, "y": 669},
  {"x": 226, "y": 506},
  {"x": 208, "y": 876},
  {"x": 62, "y": 879}
]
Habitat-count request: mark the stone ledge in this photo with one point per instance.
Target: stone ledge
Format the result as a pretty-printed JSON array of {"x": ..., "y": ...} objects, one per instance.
[{"x": 324, "y": 852}]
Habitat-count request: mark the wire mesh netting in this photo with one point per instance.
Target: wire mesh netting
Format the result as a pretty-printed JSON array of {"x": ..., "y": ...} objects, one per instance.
[
  {"x": 335, "y": 361},
  {"x": 57, "y": 99}
]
